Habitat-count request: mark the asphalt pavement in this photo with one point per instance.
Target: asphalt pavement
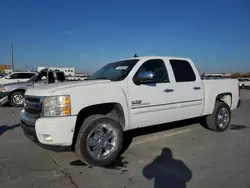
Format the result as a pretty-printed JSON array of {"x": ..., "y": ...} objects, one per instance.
[{"x": 178, "y": 155}]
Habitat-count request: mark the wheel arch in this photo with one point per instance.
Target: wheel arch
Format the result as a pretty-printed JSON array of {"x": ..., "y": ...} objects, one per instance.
[
  {"x": 225, "y": 97},
  {"x": 16, "y": 90},
  {"x": 112, "y": 110}
]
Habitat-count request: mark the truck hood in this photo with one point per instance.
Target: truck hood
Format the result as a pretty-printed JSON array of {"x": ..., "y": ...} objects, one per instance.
[{"x": 49, "y": 89}]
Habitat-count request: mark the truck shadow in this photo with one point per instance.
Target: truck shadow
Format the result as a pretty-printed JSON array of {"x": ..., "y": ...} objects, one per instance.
[
  {"x": 129, "y": 135},
  {"x": 5, "y": 128}
]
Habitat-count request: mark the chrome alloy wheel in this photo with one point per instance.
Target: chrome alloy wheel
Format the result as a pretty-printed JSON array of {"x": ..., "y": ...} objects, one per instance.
[
  {"x": 223, "y": 117},
  {"x": 18, "y": 99},
  {"x": 101, "y": 141}
]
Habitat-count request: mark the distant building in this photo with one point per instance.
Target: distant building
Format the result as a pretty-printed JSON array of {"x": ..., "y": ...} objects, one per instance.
[
  {"x": 4, "y": 67},
  {"x": 68, "y": 71}
]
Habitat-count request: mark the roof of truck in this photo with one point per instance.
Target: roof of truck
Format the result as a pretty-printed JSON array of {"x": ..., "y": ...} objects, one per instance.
[{"x": 157, "y": 57}]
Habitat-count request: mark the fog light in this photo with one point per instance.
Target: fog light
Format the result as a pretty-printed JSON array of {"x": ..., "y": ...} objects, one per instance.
[{"x": 47, "y": 137}]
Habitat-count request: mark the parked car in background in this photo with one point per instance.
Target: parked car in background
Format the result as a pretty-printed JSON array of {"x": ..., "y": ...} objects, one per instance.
[
  {"x": 16, "y": 77},
  {"x": 81, "y": 78},
  {"x": 91, "y": 116},
  {"x": 14, "y": 92},
  {"x": 244, "y": 82}
]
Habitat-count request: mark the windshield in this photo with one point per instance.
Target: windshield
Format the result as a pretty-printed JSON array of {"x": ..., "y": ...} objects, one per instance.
[{"x": 115, "y": 71}]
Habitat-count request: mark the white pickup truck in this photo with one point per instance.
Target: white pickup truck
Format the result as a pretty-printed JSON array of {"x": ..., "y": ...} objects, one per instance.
[
  {"x": 244, "y": 82},
  {"x": 91, "y": 116}
]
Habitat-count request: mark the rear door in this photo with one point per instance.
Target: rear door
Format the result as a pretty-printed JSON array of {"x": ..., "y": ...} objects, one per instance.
[{"x": 188, "y": 88}]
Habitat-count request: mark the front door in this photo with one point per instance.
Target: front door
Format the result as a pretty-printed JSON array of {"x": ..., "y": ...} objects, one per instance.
[{"x": 155, "y": 102}]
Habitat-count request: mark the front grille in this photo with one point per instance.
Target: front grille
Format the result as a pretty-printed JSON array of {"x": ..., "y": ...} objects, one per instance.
[
  {"x": 32, "y": 99},
  {"x": 33, "y": 105}
]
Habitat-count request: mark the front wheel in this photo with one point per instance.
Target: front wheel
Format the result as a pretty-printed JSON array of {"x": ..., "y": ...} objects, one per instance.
[
  {"x": 17, "y": 99},
  {"x": 99, "y": 140},
  {"x": 220, "y": 119}
]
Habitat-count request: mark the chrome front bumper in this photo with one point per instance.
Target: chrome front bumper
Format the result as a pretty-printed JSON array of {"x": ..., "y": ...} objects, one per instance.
[{"x": 28, "y": 125}]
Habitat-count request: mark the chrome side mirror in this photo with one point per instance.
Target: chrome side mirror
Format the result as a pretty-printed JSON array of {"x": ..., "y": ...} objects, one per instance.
[{"x": 145, "y": 77}]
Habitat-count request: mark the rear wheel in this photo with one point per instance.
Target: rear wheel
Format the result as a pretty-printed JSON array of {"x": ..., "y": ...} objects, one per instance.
[
  {"x": 17, "y": 99},
  {"x": 220, "y": 119},
  {"x": 99, "y": 140}
]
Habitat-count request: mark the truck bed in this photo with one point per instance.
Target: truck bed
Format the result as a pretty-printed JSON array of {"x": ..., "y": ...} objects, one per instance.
[{"x": 212, "y": 88}]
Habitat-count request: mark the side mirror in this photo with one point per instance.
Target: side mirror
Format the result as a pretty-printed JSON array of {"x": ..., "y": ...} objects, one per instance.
[
  {"x": 44, "y": 78},
  {"x": 7, "y": 77},
  {"x": 145, "y": 77}
]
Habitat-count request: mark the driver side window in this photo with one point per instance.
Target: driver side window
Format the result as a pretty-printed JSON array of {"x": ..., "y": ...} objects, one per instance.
[
  {"x": 39, "y": 77},
  {"x": 156, "y": 66}
]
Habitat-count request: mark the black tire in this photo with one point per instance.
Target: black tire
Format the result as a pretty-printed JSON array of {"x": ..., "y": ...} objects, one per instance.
[
  {"x": 211, "y": 120},
  {"x": 87, "y": 126},
  {"x": 12, "y": 101},
  {"x": 242, "y": 86}
]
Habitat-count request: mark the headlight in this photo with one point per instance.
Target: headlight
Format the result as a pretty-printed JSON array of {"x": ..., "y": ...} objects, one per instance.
[{"x": 57, "y": 106}]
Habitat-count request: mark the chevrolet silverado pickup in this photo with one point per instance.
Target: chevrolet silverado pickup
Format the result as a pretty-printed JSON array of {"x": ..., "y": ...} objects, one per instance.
[{"x": 91, "y": 116}]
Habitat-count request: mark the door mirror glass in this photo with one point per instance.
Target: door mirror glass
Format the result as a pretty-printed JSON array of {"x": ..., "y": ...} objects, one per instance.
[{"x": 145, "y": 77}]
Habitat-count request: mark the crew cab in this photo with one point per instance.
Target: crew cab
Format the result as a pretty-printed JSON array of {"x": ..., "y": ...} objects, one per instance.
[
  {"x": 91, "y": 116},
  {"x": 14, "y": 92}
]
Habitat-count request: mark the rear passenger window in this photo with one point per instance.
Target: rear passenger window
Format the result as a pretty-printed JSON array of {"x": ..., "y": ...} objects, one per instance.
[
  {"x": 60, "y": 76},
  {"x": 26, "y": 75},
  {"x": 158, "y": 67},
  {"x": 183, "y": 71}
]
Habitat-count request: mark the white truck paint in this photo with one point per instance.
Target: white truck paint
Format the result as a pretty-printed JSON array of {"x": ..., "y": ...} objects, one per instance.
[{"x": 168, "y": 97}]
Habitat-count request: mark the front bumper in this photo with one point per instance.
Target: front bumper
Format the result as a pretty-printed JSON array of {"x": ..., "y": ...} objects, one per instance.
[
  {"x": 4, "y": 97},
  {"x": 55, "y": 131}
]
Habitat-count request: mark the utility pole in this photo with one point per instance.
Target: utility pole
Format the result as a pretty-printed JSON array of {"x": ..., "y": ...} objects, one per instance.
[{"x": 12, "y": 57}]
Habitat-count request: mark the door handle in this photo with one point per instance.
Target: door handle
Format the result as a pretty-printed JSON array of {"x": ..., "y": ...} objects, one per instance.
[
  {"x": 168, "y": 90},
  {"x": 196, "y": 88}
]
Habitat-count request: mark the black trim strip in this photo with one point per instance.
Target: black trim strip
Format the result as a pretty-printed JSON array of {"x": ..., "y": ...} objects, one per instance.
[{"x": 165, "y": 104}]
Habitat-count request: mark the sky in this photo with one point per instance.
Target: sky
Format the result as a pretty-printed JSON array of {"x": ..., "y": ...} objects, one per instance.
[{"x": 215, "y": 34}]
